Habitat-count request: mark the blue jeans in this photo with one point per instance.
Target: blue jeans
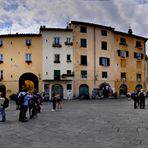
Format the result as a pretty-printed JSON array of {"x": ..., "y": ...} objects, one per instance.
[{"x": 2, "y": 111}]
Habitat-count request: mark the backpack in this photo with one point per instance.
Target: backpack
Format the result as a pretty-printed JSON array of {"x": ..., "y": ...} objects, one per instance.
[
  {"x": 142, "y": 95},
  {"x": 6, "y": 103},
  {"x": 21, "y": 99}
]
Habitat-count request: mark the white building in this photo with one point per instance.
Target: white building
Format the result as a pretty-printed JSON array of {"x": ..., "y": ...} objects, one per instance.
[{"x": 57, "y": 61}]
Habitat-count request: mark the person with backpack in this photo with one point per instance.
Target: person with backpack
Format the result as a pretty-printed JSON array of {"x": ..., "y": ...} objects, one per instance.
[
  {"x": 23, "y": 99},
  {"x": 142, "y": 98}
]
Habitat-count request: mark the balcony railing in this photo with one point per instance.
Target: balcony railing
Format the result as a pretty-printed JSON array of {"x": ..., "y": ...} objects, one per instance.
[
  {"x": 57, "y": 45},
  {"x": 68, "y": 43}
]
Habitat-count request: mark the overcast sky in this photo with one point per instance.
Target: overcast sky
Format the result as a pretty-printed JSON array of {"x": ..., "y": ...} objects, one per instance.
[{"x": 26, "y": 16}]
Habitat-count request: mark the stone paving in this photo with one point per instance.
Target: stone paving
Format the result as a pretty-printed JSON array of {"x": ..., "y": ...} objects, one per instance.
[{"x": 80, "y": 124}]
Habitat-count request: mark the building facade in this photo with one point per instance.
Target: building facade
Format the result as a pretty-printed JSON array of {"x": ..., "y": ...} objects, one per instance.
[
  {"x": 57, "y": 59},
  {"x": 20, "y": 60},
  {"x": 130, "y": 62},
  {"x": 104, "y": 60}
]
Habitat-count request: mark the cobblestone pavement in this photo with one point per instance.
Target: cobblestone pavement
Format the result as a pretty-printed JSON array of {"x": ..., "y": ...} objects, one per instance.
[{"x": 80, "y": 124}]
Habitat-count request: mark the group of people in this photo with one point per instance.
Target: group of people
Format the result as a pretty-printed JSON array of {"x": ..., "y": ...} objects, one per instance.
[
  {"x": 139, "y": 98},
  {"x": 28, "y": 101}
]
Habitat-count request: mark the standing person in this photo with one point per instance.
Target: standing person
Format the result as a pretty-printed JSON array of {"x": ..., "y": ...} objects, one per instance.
[
  {"x": 54, "y": 102},
  {"x": 23, "y": 98},
  {"x": 2, "y": 108},
  {"x": 135, "y": 97},
  {"x": 58, "y": 100},
  {"x": 142, "y": 98}
]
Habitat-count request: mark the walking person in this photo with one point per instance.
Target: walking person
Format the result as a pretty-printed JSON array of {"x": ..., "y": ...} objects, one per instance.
[
  {"x": 135, "y": 97},
  {"x": 142, "y": 98}
]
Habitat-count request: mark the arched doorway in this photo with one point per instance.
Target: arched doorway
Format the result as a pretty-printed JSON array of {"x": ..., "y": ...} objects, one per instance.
[
  {"x": 105, "y": 88},
  {"x": 138, "y": 87},
  {"x": 57, "y": 88},
  {"x": 28, "y": 76},
  {"x": 123, "y": 90},
  {"x": 84, "y": 90}
]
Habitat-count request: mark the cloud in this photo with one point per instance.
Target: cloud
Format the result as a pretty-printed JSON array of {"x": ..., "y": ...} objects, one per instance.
[{"x": 27, "y": 16}]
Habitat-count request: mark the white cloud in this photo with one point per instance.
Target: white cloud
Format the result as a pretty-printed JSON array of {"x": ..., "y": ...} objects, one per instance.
[{"x": 27, "y": 15}]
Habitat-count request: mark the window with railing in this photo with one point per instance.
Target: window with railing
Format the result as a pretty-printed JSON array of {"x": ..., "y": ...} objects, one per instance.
[
  {"x": 68, "y": 41},
  {"x": 28, "y": 57},
  {"x": 28, "y": 42},
  {"x": 56, "y": 42}
]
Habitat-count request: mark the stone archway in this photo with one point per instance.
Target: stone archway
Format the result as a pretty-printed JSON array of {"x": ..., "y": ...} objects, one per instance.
[
  {"x": 84, "y": 90},
  {"x": 29, "y": 76},
  {"x": 57, "y": 88},
  {"x": 138, "y": 87},
  {"x": 123, "y": 90},
  {"x": 105, "y": 88}
]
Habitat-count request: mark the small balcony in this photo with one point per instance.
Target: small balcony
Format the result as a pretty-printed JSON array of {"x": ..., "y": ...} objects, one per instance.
[
  {"x": 58, "y": 45},
  {"x": 68, "y": 75},
  {"x": 28, "y": 61},
  {"x": 68, "y": 43},
  {"x": 56, "y": 61}
]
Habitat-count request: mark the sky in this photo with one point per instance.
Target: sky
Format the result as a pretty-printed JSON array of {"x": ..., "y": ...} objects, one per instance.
[{"x": 26, "y": 16}]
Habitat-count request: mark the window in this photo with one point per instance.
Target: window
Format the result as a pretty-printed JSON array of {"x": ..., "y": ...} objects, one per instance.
[
  {"x": 68, "y": 41},
  {"x": 123, "y": 53},
  {"x": 83, "y": 43},
  {"x": 56, "y": 40},
  {"x": 68, "y": 72},
  {"x": 68, "y": 58},
  {"x": 123, "y": 76},
  {"x": 28, "y": 42},
  {"x": 83, "y": 60},
  {"x": 1, "y": 43},
  {"x": 1, "y": 74},
  {"x": 69, "y": 87},
  {"x": 56, "y": 58},
  {"x": 138, "y": 44},
  {"x": 57, "y": 74},
  {"x": 104, "y": 75},
  {"x": 123, "y": 41},
  {"x": 104, "y": 45},
  {"x": 83, "y": 74},
  {"x": 104, "y": 32},
  {"x": 138, "y": 77},
  {"x": 28, "y": 57},
  {"x": 83, "y": 29},
  {"x": 1, "y": 58},
  {"x": 104, "y": 61},
  {"x": 138, "y": 55}
]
